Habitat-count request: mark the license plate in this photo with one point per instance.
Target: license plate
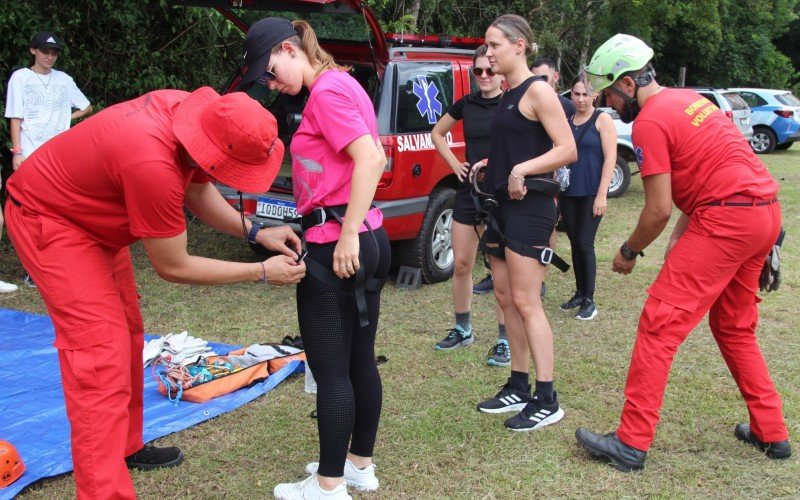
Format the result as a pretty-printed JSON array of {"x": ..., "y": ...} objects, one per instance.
[{"x": 273, "y": 208}]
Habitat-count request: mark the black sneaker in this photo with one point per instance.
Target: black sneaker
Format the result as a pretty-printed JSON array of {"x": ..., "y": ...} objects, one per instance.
[
  {"x": 572, "y": 303},
  {"x": 587, "y": 311},
  {"x": 499, "y": 355},
  {"x": 777, "y": 449},
  {"x": 456, "y": 338},
  {"x": 486, "y": 285},
  {"x": 609, "y": 448},
  {"x": 152, "y": 457},
  {"x": 507, "y": 399},
  {"x": 536, "y": 415}
]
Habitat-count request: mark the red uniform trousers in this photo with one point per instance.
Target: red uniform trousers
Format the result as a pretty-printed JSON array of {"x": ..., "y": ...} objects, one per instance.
[
  {"x": 90, "y": 293},
  {"x": 714, "y": 268}
]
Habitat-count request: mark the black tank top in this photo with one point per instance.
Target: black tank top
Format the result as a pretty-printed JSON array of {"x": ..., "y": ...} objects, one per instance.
[{"x": 515, "y": 138}]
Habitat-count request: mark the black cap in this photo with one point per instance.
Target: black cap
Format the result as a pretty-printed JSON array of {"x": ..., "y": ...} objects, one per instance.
[
  {"x": 262, "y": 36},
  {"x": 45, "y": 40}
]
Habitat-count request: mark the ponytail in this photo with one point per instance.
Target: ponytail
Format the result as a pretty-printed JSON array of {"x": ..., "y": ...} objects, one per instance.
[{"x": 308, "y": 43}]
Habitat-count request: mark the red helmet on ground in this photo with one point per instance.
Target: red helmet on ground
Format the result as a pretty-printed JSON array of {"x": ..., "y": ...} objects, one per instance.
[{"x": 11, "y": 465}]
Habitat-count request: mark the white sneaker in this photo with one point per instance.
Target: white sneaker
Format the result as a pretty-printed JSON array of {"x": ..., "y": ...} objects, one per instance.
[
  {"x": 8, "y": 287},
  {"x": 309, "y": 489},
  {"x": 360, "y": 479}
]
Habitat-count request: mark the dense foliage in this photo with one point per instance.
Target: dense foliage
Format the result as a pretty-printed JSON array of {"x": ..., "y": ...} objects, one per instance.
[{"x": 119, "y": 49}]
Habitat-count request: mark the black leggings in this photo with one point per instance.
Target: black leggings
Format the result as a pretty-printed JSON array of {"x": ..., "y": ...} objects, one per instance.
[
  {"x": 581, "y": 225},
  {"x": 341, "y": 355}
]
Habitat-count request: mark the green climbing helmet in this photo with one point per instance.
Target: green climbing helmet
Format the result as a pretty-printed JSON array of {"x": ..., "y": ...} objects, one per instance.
[{"x": 621, "y": 53}]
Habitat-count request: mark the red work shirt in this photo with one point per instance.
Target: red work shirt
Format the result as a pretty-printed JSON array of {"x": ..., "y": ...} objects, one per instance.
[
  {"x": 119, "y": 176},
  {"x": 680, "y": 132}
]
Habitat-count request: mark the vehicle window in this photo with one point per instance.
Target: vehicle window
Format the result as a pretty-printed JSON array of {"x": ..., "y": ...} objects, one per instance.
[
  {"x": 788, "y": 99},
  {"x": 752, "y": 99},
  {"x": 424, "y": 93},
  {"x": 711, "y": 97},
  {"x": 327, "y": 25},
  {"x": 735, "y": 100}
]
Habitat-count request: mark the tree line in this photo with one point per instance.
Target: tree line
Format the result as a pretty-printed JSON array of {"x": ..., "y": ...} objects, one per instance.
[{"x": 119, "y": 49}]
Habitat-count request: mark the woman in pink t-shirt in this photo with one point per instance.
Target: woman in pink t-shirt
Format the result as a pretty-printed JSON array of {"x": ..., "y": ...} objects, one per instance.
[{"x": 337, "y": 161}]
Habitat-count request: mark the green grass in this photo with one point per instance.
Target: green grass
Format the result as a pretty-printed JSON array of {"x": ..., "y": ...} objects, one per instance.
[{"x": 432, "y": 442}]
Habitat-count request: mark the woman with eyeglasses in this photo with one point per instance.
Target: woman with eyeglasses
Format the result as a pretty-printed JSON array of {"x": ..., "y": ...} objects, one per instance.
[
  {"x": 337, "y": 161},
  {"x": 583, "y": 203},
  {"x": 530, "y": 138},
  {"x": 476, "y": 110}
]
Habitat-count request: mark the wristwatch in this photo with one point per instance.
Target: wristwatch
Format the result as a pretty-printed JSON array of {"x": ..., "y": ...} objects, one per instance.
[
  {"x": 628, "y": 253},
  {"x": 251, "y": 236}
]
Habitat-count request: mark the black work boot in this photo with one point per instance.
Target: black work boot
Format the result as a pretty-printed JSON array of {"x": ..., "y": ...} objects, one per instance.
[
  {"x": 776, "y": 449},
  {"x": 152, "y": 457},
  {"x": 619, "y": 455}
]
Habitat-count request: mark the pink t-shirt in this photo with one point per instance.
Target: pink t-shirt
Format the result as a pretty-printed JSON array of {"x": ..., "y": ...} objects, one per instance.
[{"x": 338, "y": 112}]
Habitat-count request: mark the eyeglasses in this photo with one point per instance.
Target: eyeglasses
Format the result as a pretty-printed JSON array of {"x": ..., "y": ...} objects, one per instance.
[
  {"x": 480, "y": 71},
  {"x": 269, "y": 75}
]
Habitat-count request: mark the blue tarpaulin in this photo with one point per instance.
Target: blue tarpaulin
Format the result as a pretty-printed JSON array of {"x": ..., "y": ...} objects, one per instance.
[{"x": 32, "y": 414}]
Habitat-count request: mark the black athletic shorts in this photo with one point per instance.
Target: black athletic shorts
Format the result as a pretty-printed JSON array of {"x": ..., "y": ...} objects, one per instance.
[
  {"x": 529, "y": 221},
  {"x": 464, "y": 211}
]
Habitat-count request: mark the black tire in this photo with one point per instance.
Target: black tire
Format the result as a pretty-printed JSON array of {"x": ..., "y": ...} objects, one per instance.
[
  {"x": 784, "y": 146},
  {"x": 620, "y": 178},
  {"x": 763, "y": 141},
  {"x": 432, "y": 249}
]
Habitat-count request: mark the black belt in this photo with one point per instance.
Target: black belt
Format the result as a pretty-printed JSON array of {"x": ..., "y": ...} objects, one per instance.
[
  {"x": 738, "y": 200},
  {"x": 319, "y": 216}
]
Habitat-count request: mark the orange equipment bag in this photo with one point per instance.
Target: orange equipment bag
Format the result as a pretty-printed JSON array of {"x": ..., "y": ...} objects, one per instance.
[{"x": 184, "y": 386}]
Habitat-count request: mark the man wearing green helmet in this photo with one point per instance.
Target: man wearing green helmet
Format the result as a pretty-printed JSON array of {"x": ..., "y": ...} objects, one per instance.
[{"x": 691, "y": 154}]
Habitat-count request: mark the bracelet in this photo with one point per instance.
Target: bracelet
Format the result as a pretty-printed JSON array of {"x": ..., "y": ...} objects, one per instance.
[
  {"x": 263, "y": 268},
  {"x": 517, "y": 177},
  {"x": 18, "y": 153},
  {"x": 15, "y": 151}
]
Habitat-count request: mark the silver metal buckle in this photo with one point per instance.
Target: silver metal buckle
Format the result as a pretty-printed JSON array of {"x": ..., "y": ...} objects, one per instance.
[
  {"x": 324, "y": 216},
  {"x": 546, "y": 256}
]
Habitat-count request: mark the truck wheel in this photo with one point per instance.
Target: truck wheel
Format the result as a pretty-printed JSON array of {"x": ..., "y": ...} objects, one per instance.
[
  {"x": 432, "y": 250},
  {"x": 620, "y": 178},
  {"x": 763, "y": 141}
]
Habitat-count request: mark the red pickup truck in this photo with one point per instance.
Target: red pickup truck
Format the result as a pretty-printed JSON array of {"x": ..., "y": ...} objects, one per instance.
[{"x": 412, "y": 80}]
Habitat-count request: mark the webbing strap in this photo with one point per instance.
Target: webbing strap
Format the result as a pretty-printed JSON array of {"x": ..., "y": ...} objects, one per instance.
[
  {"x": 544, "y": 255},
  {"x": 360, "y": 283}
]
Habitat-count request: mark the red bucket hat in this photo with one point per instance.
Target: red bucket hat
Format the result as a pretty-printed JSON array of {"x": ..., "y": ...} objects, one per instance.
[{"x": 232, "y": 137}]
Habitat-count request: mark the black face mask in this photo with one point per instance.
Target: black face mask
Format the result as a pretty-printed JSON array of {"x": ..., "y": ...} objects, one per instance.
[{"x": 630, "y": 109}]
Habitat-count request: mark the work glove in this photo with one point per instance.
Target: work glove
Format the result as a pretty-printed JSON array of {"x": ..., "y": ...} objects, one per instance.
[{"x": 770, "y": 279}]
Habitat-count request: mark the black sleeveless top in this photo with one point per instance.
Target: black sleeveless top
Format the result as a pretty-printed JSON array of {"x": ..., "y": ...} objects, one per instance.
[{"x": 515, "y": 139}]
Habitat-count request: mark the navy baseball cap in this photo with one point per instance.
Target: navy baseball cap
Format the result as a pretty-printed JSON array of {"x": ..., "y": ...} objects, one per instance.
[
  {"x": 46, "y": 40},
  {"x": 262, "y": 36}
]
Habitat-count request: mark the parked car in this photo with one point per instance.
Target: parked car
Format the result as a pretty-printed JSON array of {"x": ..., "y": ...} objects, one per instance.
[
  {"x": 775, "y": 119},
  {"x": 411, "y": 86},
  {"x": 732, "y": 104}
]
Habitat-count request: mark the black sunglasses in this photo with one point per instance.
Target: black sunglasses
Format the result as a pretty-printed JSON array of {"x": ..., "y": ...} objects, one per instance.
[
  {"x": 267, "y": 77},
  {"x": 480, "y": 71}
]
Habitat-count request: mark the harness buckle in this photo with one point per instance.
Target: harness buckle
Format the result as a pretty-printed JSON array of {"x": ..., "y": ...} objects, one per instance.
[
  {"x": 323, "y": 216},
  {"x": 546, "y": 256}
]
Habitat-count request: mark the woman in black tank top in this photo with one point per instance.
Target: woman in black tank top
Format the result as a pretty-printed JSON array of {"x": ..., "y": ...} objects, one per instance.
[{"x": 530, "y": 138}]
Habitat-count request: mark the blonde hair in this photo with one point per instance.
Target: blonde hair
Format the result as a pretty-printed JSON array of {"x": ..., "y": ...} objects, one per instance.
[
  {"x": 514, "y": 28},
  {"x": 308, "y": 43}
]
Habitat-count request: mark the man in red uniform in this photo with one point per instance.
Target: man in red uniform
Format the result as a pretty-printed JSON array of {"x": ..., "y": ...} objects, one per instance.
[
  {"x": 691, "y": 154},
  {"x": 80, "y": 200}
]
